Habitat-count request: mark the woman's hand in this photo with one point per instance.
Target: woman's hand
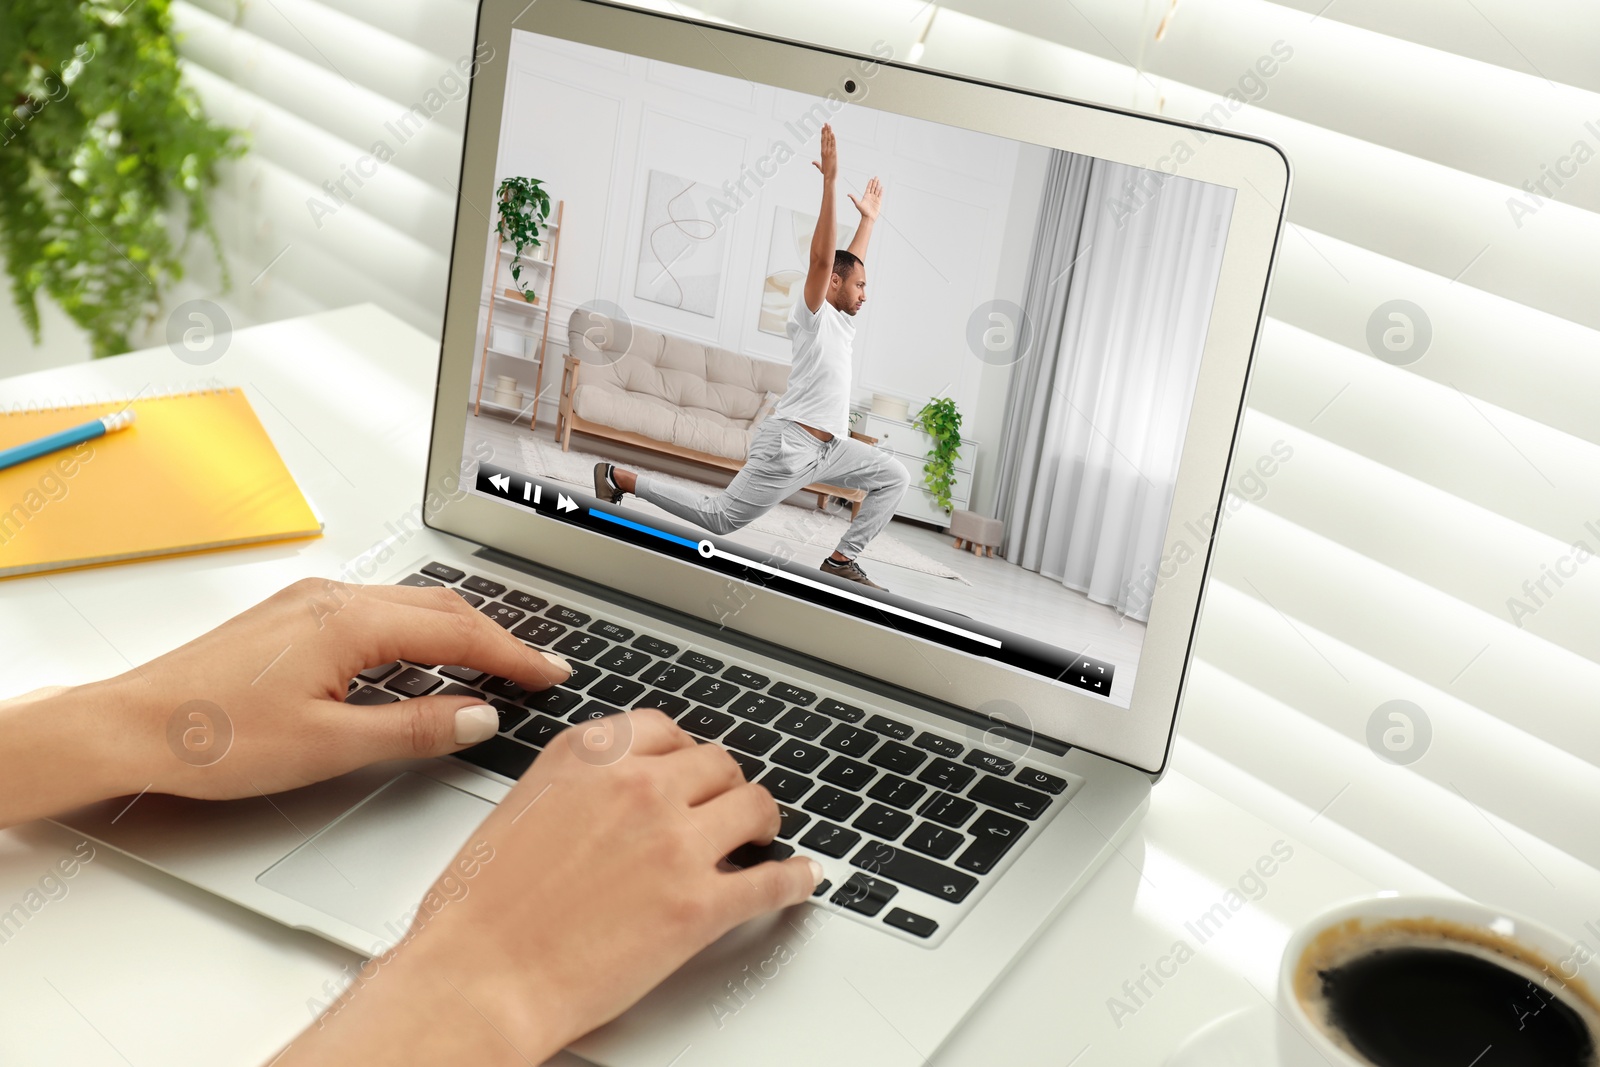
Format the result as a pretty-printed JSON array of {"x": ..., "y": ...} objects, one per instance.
[
  {"x": 257, "y": 705},
  {"x": 595, "y": 879}
]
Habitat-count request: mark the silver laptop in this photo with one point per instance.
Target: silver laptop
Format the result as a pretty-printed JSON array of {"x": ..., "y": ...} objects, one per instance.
[{"x": 962, "y": 742}]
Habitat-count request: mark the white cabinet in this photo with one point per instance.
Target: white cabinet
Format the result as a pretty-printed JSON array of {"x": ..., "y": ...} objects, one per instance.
[{"x": 911, "y": 446}]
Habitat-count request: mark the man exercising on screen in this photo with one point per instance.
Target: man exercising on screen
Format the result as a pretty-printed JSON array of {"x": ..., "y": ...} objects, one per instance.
[{"x": 807, "y": 437}]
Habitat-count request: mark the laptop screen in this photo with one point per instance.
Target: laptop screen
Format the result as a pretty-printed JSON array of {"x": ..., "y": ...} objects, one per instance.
[{"x": 928, "y": 378}]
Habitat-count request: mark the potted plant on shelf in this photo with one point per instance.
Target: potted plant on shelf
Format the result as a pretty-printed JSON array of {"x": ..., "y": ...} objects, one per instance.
[
  {"x": 106, "y": 163},
  {"x": 940, "y": 420},
  {"x": 524, "y": 206}
]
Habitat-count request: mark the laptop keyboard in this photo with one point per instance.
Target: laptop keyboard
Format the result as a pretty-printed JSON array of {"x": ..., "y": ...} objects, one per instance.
[{"x": 903, "y": 807}]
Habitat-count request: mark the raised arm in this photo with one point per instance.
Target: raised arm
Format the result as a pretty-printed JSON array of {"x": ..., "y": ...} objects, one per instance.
[
  {"x": 868, "y": 206},
  {"x": 822, "y": 246}
]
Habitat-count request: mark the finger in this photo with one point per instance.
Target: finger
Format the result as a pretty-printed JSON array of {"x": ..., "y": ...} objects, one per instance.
[
  {"x": 853, "y": 200},
  {"x": 373, "y": 630},
  {"x": 746, "y": 814},
  {"x": 816, "y": 164},
  {"x": 699, "y": 774},
  {"x": 644, "y": 732},
  {"x": 753, "y": 891},
  {"x": 407, "y": 729}
]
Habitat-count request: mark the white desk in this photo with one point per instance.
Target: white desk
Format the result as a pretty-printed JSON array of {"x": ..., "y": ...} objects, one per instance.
[{"x": 132, "y": 967}]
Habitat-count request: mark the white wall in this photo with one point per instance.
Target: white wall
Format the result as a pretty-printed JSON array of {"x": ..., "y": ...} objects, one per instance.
[{"x": 592, "y": 124}]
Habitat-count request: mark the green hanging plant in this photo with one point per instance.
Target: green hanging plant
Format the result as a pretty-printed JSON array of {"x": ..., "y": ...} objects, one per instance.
[
  {"x": 524, "y": 205},
  {"x": 100, "y": 142},
  {"x": 940, "y": 420}
]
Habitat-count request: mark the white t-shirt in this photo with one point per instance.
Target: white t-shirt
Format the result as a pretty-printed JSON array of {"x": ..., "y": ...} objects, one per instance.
[{"x": 819, "y": 374}]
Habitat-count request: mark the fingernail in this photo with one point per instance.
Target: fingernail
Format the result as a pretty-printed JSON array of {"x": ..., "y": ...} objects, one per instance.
[
  {"x": 476, "y": 722},
  {"x": 816, "y": 872},
  {"x": 557, "y": 661}
]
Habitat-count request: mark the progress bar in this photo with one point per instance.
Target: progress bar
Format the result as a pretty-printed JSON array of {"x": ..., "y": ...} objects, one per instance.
[
  {"x": 711, "y": 551},
  {"x": 642, "y": 528}
]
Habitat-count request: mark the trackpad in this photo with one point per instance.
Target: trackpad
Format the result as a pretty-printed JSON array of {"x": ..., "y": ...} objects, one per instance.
[{"x": 371, "y": 866}]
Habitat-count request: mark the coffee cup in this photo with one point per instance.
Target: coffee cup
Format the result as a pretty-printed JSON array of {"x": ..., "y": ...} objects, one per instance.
[{"x": 1394, "y": 980}]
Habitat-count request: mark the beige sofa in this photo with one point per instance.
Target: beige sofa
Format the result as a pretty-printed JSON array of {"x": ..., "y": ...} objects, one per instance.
[{"x": 671, "y": 395}]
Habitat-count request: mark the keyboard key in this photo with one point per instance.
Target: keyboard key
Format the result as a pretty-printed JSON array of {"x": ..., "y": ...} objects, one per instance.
[
  {"x": 1040, "y": 780},
  {"x": 420, "y": 580},
  {"x": 703, "y": 722},
  {"x": 412, "y": 682},
  {"x": 791, "y": 822},
  {"x": 504, "y": 614},
  {"x": 1010, "y": 797},
  {"x": 942, "y": 774},
  {"x": 919, "y": 873},
  {"x": 993, "y": 835},
  {"x": 936, "y": 841},
  {"x": 619, "y": 691},
  {"x": 568, "y": 616},
  {"x": 822, "y": 887},
  {"x": 864, "y": 894},
  {"x": 623, "y": 660},
  {"x": 478, "y": 584},
  {"x": 469, "y": 675},
  {"x": 582, "y": 675},
  {"x": 888, "y": 727},
  {"x": 579, "y": 646},
  {"x": 672, "y": 705},
  {"x": 893, "y": 756},
  {"x": 786, "y": 785},
  {"x": 504, "y": 688},
  {"x": 910, "y": 922},
  {"x": 510, "y": 714},
  {"x": 850, "y": 741},
  {"x": 748, "y": 855},
  {"x": 700, "y": 662},
  {"x": 456, "y": 689},
  {"x": 830, "y": 840},
  {"x": 988, "y": 761},
  {"x": 367, "y": 696},
  {"x": 540, "y": 729},
  {"x": 555, "y": 702},
  {"x": 756, "y": 708},
  {"x": 654, "y": 645},
  {"x": 501, "y": 755},
  {"x": 748, "y": 679},
  {"x": 748, "y": 764},
  {"x": 473, "y": 599},
  {"x": 748, "y": 737},
  {"x": 667, "y": 676},
  {"x": 712, "y": 691},
  {"x": 526, "y": 601},
  {"x": 832, "y": 803},
  {"x": 539, "y": 631},
  {"x": 383, "y": 670},
  {"x": 610, "y": 630},
  {"x": 836, "y": 709},
  {"x": 799, "y": 755},
  {"x": 804, "y": 724},
  {"x": 940, "y": 745},
  {"x": 898, "y": 791},
  {"x": 947, "y": 809},
  {"x": 443, "y": 572},
  {"x": 852, "y": 774},
  {"x": 792, "y": 694},
  {"x": 593, "y": 709},
  {"x": 883, "y": 822}
]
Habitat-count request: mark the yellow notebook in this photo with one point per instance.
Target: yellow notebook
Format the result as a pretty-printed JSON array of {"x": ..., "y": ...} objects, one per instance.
[{"x": 194, "y": 471}]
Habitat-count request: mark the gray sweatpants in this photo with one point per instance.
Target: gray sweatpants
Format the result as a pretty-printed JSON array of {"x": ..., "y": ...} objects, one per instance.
[{"x": 783, "y": 458}]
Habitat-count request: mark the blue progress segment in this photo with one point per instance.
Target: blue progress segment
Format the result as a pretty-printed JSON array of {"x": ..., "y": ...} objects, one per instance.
[{"x": 642, "y": 528}]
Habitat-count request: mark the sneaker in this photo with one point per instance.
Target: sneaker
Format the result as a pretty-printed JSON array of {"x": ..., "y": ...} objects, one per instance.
[
  {"x": 849, "y": 572},
  {"x": 604, "y": 487}
]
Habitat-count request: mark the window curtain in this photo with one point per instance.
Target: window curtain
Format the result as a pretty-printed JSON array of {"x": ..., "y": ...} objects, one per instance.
[{"x": 1119, "y": 294}]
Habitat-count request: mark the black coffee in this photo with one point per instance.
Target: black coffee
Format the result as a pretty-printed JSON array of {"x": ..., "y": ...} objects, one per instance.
[{"x": 1410, "y": 1006}]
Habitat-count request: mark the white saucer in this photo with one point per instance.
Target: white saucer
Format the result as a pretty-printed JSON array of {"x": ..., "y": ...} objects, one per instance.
[{"x": 1245, "y": 1038}]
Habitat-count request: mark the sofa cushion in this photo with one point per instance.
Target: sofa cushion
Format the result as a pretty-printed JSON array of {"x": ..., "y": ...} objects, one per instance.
[{"x": 700, "y": 429}]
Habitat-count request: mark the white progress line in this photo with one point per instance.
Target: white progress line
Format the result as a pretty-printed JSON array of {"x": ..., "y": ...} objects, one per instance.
[{"x": 708, "y": 549}]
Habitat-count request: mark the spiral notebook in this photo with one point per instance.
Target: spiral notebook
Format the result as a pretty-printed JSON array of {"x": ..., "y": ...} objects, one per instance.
[{"x": 195, "y": 471}]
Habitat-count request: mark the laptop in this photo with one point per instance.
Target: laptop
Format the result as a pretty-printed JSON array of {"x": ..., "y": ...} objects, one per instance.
[{"x": 960, "y": 743}]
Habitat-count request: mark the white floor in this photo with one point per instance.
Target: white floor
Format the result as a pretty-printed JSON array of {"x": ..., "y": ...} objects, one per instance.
[{"x": 1000, "y": 594}]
